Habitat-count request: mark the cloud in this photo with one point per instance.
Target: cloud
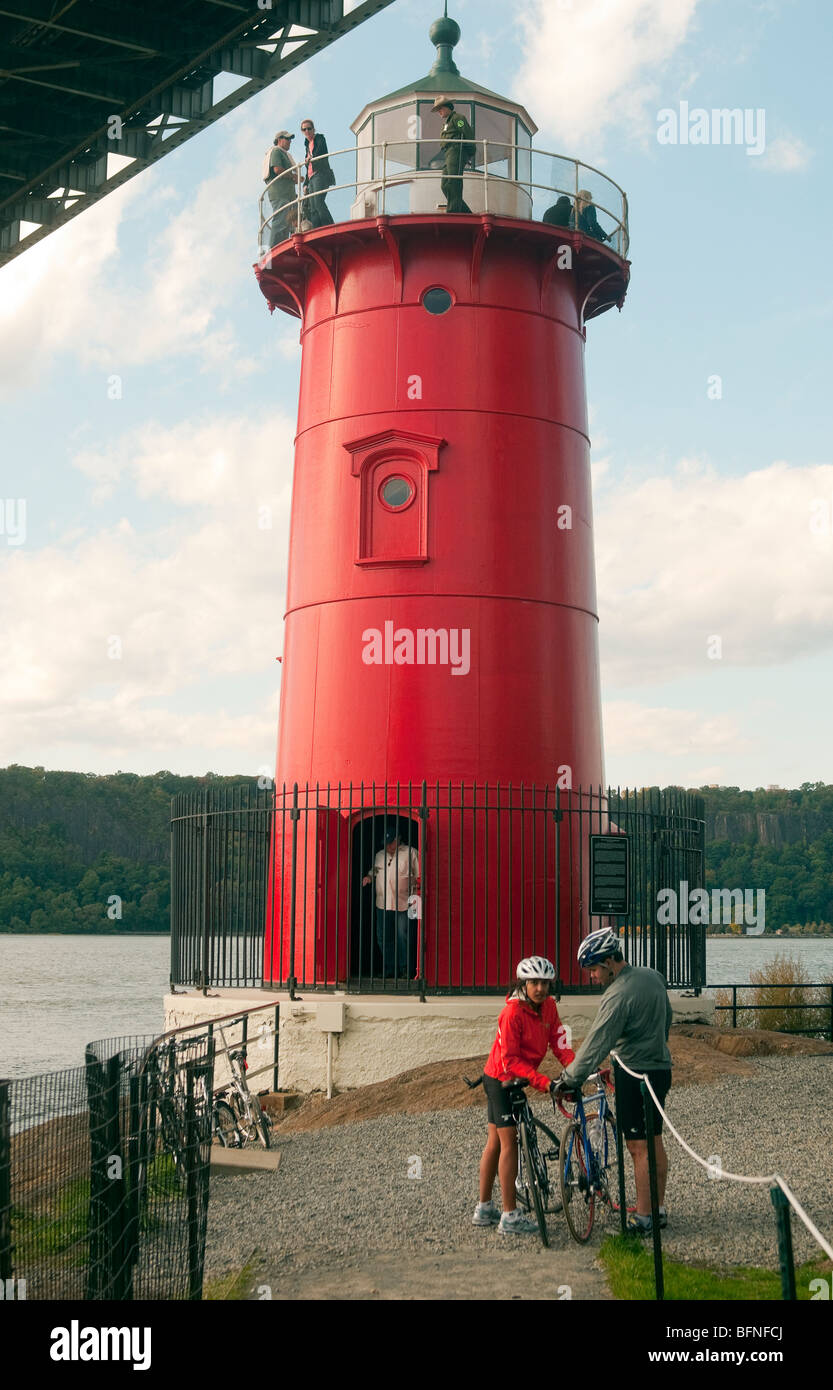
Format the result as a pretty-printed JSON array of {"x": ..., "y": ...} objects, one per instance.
[
  {"x": 687, "y": 558},
  {"x": 592, "y": 63},
  {"x": 109, "y": 630},
  {"x": 785, "y": 155},
  {"x": 632, "y": 728}
]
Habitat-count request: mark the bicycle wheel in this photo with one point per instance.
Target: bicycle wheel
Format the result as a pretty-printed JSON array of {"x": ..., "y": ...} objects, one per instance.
[
  {"x": 261, "y": 1121},
  {"x": 603, "y": 1144},
  {"x": 225, "y": 1125},
  {"x": 547, "y": 1147},
  {"x": 576, "y": 1192},
  {"x": 530, "y": 1159}
]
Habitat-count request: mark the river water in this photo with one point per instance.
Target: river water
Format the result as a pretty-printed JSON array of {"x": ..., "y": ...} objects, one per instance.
[{"x": 59, "y": 992}]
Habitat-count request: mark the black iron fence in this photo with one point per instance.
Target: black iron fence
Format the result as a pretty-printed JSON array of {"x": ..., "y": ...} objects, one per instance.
[
  {"x": 104, "y": 1173},
  {"x": 809, "y": 1012},
  {"x": 296, "y": 889}
]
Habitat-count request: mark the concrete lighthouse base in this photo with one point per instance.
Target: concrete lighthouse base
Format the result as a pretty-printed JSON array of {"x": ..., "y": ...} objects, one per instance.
[{"x": 330, "y": 1042}]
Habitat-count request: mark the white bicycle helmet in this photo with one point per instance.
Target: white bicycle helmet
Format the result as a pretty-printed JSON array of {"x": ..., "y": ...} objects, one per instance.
[
  {"x": 597, "y": 947},
  {"x": 535, "y": 968}
]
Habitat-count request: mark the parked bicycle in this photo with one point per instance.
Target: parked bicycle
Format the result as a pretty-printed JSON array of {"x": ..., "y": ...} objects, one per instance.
[
  {"x": 536, "y": 1186},
  {"x": 238, "y": 1117},
  {"x": 587, "y": 1167}
]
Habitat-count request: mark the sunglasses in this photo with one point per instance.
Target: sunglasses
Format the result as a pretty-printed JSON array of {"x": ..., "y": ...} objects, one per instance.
[{"x": 307, "y": 127}]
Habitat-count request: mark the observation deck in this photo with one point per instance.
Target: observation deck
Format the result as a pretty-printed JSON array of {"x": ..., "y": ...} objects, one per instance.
[{"x": 390, "y": 183}]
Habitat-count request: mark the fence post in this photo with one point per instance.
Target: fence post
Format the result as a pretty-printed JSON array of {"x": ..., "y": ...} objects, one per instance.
[
  {"x": 294, "y": 816},
  {"x": 831, "y": 1013},
  {"x": 423, "y": 819},
  {"x": 206, "y": 925},
  {"x": 647, "y": 1105},
  {"x": 785, "y": 1242},
  {"x": 275, "y": 1047},
  {"x": 734, "y": 1006},
  {"x": 620, "y": 1154},
  {"x": 191, "y": 1157},
  {"x": 5, "y": 1183}
]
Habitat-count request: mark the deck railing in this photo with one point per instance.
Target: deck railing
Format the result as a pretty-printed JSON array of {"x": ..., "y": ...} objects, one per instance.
[{"x": 400, "y": 177}]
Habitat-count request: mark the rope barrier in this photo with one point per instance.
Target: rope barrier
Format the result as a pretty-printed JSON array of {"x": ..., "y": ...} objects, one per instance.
[{"x": 733, "y": 1177}]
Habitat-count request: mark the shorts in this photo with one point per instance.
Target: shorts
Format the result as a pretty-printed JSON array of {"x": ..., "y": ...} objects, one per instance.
[
  {"x": 630, "y": 1114},
  {"x": 500, "y": 1109}
]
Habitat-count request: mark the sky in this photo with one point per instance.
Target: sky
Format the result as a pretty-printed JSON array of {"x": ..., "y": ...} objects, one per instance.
[{"x": 148, "y": 404}]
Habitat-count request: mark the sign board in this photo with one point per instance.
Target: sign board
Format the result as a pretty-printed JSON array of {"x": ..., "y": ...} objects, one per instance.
[{"x": 610, "y": 880}]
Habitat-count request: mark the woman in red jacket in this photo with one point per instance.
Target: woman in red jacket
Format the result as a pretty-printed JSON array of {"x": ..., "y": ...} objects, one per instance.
[{"x": 527, "y": 1027}]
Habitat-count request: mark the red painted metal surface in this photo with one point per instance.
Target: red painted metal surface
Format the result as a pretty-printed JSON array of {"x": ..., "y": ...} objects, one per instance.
[{"x": 481, "y": 412}]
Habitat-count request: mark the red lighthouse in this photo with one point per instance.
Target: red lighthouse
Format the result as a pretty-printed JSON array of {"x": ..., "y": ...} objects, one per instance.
[{"x": 440, "y": 650}]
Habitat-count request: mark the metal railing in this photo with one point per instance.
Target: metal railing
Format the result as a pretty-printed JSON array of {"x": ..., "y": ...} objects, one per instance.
[
  {"x": 393, "y": 178},
  {"x": 790, "y": 1009},
  {"x": 275, "y": 888}
]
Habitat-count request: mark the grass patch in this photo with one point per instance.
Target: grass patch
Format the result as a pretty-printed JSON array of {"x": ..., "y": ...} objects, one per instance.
[
  {"x": 231, "y": 1288},
  {"x": 629, "y": 1263},
  {"x": 58, "y": 1225}
]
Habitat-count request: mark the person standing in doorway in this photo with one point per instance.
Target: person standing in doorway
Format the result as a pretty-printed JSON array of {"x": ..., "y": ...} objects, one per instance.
[
  {"x": 318, "y": 176},
  {"x": 395, "y": 876}
]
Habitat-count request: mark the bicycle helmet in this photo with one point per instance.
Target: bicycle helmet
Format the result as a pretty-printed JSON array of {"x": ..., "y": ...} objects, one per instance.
[
  {"x": 597, "y": 947},
  {"x": 535, "y": 968}
]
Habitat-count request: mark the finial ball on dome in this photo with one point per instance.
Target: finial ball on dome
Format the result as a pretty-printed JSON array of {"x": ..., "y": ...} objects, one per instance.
[{"x": 445, "y": 31}]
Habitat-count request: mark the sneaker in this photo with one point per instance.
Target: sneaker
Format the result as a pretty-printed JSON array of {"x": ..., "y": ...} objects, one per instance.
[
  {"x": 663, "y": 1218},
  {"x": 640, "y": 1225},
  {"x": 485, "y": 1214},
  {"x": 516, "y": 1224}
]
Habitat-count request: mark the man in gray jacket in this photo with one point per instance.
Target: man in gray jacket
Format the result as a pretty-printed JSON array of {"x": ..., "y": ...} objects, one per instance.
[{"x": 634, "y": 1018}]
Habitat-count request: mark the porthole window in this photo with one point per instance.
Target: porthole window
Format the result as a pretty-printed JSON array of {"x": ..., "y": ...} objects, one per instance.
[
  {"x": 437, "y": 301},
  {"x": 396, "y": 492}
]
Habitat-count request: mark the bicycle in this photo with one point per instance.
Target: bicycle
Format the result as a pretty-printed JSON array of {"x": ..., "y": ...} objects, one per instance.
[
  {"x": 237, "y": 1115},
  {"x": 588, "y": 1148},
  {"x": 538, "y": 1147}
]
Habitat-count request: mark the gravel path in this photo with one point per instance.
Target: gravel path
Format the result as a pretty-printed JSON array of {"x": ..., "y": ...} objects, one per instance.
[{"x": 342, "y": 1218}]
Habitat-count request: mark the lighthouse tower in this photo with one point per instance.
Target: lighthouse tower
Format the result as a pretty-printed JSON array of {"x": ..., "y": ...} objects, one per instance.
[{"x": 440, "y": 654}]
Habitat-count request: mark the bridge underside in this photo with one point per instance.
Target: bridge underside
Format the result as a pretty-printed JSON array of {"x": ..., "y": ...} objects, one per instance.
[{"x": 91, "y": 94}]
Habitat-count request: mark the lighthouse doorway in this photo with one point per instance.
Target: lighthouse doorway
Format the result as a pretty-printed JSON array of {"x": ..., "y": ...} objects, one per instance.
[{"x": 367, "y": 970}]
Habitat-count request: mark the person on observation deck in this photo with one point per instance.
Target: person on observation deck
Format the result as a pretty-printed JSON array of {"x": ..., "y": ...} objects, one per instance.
[
  {"x": 561, "y": 212},
  {"x": 456, "y": 149},
  {"x": 527, "y": 1028},
  {"x": 588, "y": 222},
  {"x": 281, "y": 178},
  {"x": 634, "y": 1018},
  {"x": 317, "y": 175}
]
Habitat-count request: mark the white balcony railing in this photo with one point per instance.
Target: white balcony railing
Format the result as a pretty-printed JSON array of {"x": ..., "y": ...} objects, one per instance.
[{"x": 405, "y": 177}]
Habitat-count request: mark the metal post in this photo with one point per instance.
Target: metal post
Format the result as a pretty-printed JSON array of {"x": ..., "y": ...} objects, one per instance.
[
  {"x": 206, "y": 926},
  {"x": 5, "y": 1183},
  {"x": 652, "y": 1174},
  {"x": 294, "y": 816},
  {"x": 620, "y": 1154},
  {"x": 423, "y": 825},
  {"x": 485, "y": 176},
  {"x": 785, "y": 1242},
  {"x": 384, "y": 176},
  {"x": 831, "y": 1013},
  {"x": 275, "y": 1048},
  {"x": 191, "y": 1158},
  {"x": 734, "y": 1006}
]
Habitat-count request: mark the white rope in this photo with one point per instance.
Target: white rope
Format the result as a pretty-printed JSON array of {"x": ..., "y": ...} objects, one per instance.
[{"x": 734, "y": 1177}]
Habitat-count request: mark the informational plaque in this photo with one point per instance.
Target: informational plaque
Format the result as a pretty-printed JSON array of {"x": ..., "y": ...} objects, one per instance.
[{"x": 610, "y": 882}]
